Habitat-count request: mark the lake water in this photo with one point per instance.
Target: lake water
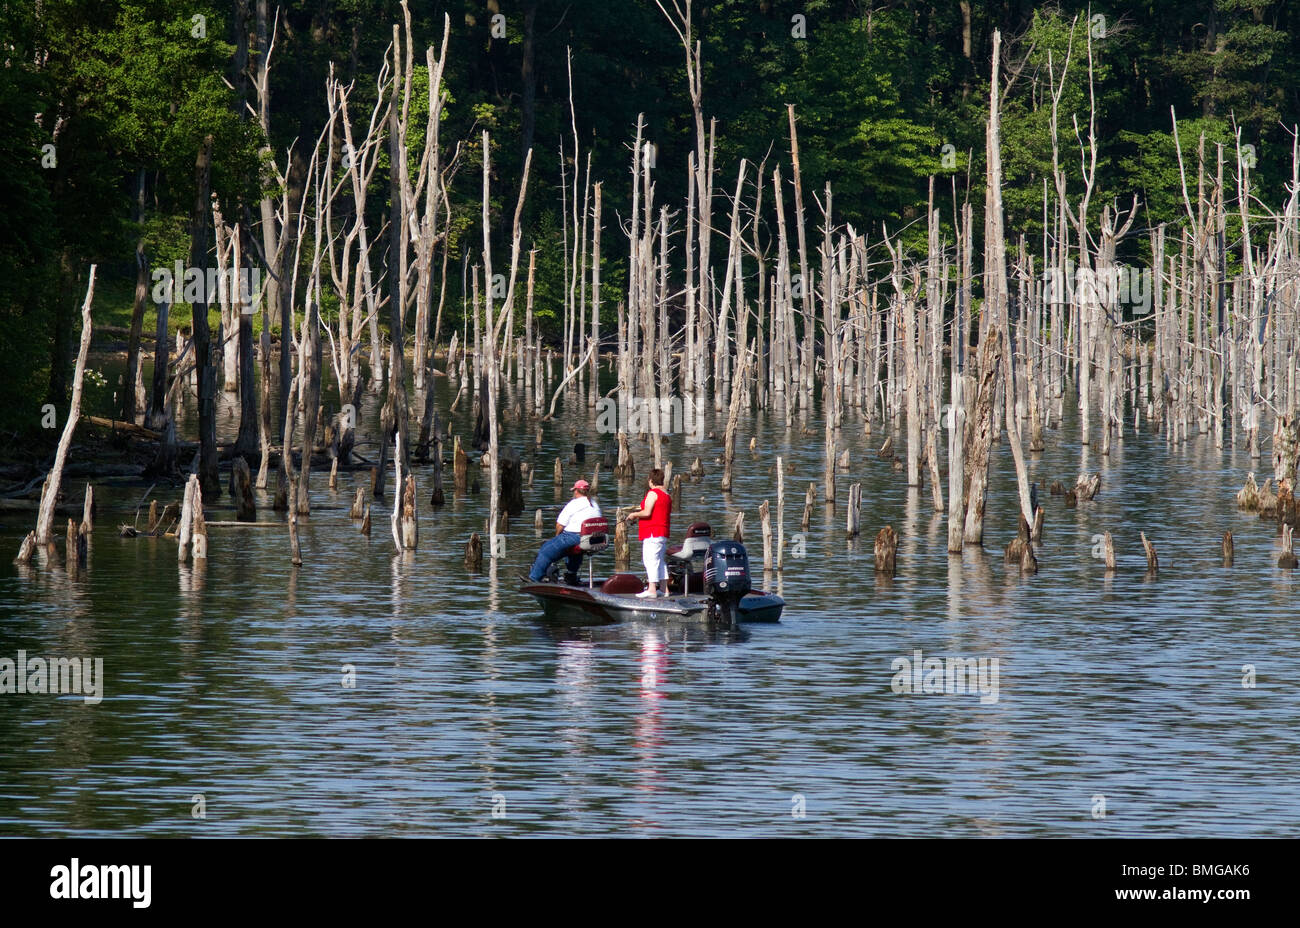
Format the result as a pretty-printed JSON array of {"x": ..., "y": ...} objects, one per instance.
[{"x": 471, "y": 716}]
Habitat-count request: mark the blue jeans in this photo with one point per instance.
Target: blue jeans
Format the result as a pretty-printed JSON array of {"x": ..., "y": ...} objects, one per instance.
[{"x": 552, "y": 551}]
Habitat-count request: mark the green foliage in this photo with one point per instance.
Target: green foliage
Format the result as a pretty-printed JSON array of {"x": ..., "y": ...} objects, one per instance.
[{"x": 879, "y": 91}]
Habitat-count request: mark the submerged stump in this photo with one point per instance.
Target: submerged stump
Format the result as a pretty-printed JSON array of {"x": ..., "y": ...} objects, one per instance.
[
  {"x": 1153, "y": 562},
  {"x": 1248, "y": 495},
  {"x": 620, "y": 542},
  {"x": 241, "y": 481},
  {"x": 1288, "y": 559},
  {"x": 474, "y": 553},
  {"x": 886, "y": 551}
]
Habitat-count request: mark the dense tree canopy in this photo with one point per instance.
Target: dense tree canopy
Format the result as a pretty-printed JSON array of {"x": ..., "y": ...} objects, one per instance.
[{"x": 95, "y": 92}]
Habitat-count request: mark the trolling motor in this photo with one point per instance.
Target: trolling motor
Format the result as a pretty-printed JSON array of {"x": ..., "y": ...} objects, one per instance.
[{"x": 726, "y": 579}]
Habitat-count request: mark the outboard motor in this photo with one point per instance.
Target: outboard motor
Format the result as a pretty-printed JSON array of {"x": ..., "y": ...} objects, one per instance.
[{"x": 726, "y": 578}]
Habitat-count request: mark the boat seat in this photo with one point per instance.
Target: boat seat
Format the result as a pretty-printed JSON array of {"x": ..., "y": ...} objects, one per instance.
[
  {"x": 623, "y": 584},
  {"x": 593, "y": 537},
  {"x": 695, "y": 544}
]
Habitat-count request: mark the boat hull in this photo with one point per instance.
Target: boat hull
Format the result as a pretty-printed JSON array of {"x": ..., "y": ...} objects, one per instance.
[{"x": 589, "y": 605}]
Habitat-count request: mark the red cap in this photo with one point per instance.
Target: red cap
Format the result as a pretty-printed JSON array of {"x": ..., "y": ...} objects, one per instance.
[{"x": 581, "y": 485}]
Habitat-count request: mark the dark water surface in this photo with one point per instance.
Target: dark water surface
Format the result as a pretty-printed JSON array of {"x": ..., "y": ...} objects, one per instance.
[{"x": 225, "y": 681}]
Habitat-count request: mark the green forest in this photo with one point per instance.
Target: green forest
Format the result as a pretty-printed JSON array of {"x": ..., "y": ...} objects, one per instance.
[{"x": 105, "y": 105}]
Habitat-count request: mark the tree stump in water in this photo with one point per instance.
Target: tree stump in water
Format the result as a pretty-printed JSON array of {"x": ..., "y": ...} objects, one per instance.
[
  {"x": 241, "y": 480},
  {"x": 347, "y": 435},
  {"x": 697, "y": 471},
  {"x": 70, "y": 547},
  {"x": 1286, "y": 503},
  {"x": 1037, "y": 533},
  {"x": 331, "y": 442},
  {"x": 474, "y": 553},
  {"x": 842, "y": 462},
  {"x": 625, "y": 469},
  {"x": 1228, "y": 550},
  {"x": 1288, "y": 559},
  {"x": 26, "y": 549},
  {"x": 1028, "y": 562},
  {"x": 854, "y": 510},
  {"x": 153, "y": 517},
  {"x": 620, "y": 542},
  {"x": 1286, "y": 446},
  {"x": 281, "y": 501},
  {"x": 295, "y": 552},
  {"x": 183, "y": 532},
  {"x": 808, "y": 502},
  {"x": 410, "y": 530},
  {"x": 739, "y": 533},
  {"x": 886, "y": 451},
  {"x": 538, "y": 521},
  {"x": 1267, "y": 500},
  {"x": 365, "y": 522},
  {"x": 1021, "y": 549},
  {"x": 559, "y": 474},
  {"x": 438, "y": 497},
  {"x": 1057, "y": 488},
  {"x": 460, "y": 468},
  {"x": 198, "y": 528},
  {"x": 512, "y": 481},
  {"x": 1153, "y": 562},
  {"x": 1108, "y": 552},
  {"x": 88, "y": 509},
  {"x": 886, "y": 551},
  {"x": 1015, "y": 551},
  {"x": 1248, "y": 495},
  {"x": 676, "y": 490},
  {"x": 595, "y": 478},
  {"x": 479, "y": 440},
  {"x": 765, "y": 521},
  {"x": 1087, "y": 486},
  {"x": 358, "y": 504}
]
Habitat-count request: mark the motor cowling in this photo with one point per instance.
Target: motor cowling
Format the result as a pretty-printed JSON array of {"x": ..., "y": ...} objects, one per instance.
[{"x": 726, "y": 572}]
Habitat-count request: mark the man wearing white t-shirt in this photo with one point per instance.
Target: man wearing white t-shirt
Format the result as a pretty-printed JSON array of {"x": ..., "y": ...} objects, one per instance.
[{"x": 568, "y": 532}]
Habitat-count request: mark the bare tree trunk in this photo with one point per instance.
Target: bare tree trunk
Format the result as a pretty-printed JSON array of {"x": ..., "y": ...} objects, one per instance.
[
  {"x": 208, "y": 479},
  {"x": 50, "y": 494}
]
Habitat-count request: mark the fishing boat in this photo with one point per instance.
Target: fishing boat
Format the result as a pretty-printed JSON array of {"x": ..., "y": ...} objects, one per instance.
[{"x": 708, "y": 580}]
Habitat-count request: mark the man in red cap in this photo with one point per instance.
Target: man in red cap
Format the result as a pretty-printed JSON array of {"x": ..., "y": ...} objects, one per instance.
[{"x": 568, "y": 532}]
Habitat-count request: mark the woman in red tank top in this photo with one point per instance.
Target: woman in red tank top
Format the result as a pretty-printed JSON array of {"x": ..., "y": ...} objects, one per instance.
[{"x": 655, "y": 517}]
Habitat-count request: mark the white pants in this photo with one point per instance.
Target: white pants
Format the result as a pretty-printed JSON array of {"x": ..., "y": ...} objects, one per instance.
[{"x": 652, "y": 555}]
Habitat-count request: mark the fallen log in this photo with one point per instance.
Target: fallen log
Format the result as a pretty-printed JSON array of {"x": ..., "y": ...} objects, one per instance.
[{"x": 129, "y": 428}]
